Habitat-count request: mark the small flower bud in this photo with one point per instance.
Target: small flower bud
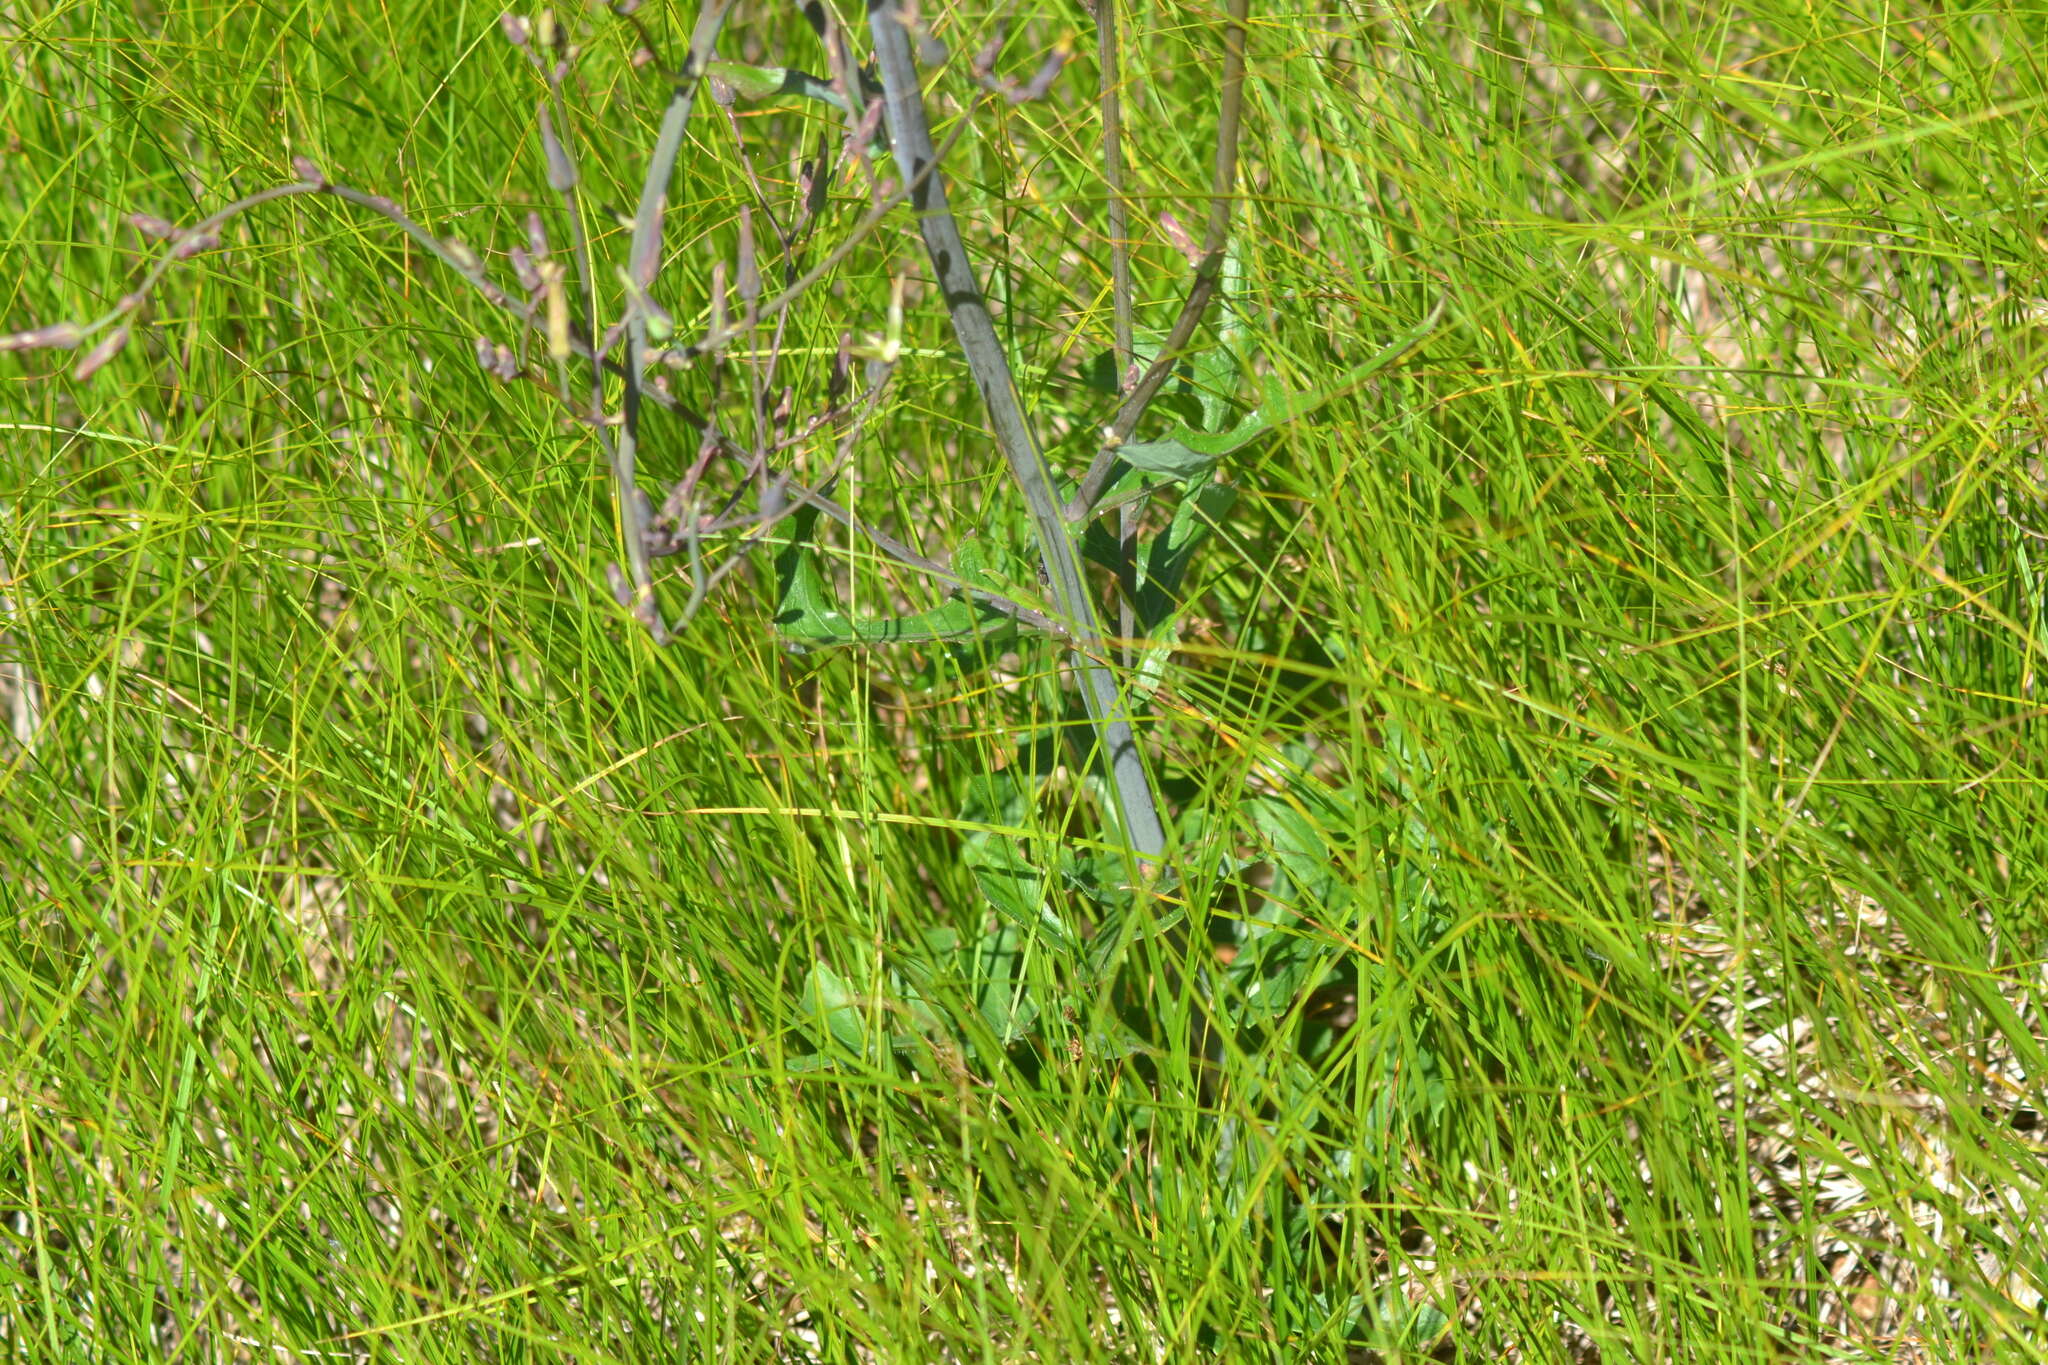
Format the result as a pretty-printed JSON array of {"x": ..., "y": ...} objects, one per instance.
[
  {"x": 523, "y": 269},
  {"x": 497, "y": 361},
  {"x": 89, "y": 365},
  {"x": 153, "y": 227},
  {"x": 193, "y": 242},
  {"x": 304, "y": 168},
  {"x": 1182, "y": 242},
  {"x": 984, "y": 62},
  {"x": 58, "y": 336},
  {"x": 1041, "y": 81},
  {"x": 515, "y": 28}
]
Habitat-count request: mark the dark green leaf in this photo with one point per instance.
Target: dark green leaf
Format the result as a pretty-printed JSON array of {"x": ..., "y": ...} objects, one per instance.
[
  {"x": 1171, "y": 457},
  {"x": 808, "y": 613},
  {"x": 1185, "y": 453},
  {"x": 1007, "y": 1004}
]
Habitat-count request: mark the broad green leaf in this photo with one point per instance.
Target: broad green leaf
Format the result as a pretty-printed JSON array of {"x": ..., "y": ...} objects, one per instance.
[
  {"x": 995, "y": 798},
  {"x": 830, "y": 999},
  {"x": 1308, "y": 880},
  {"x": 753, "y": 83},
  {"x": 1163, "y": 567},
  {"x": 1166, "y": 560},
  {"x": 1172, "y": 457},
  {"x": 807, "y": 612},
  {"x": 1015, "y": 889},
  {"x": 1217, "y": 369},
  {"x": 1185, "y": 453},
  {"x": 1007, "y": 1004}
]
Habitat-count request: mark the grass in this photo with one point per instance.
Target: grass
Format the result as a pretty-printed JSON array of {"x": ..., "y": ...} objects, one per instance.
[{"x": 1604, "y": 746}]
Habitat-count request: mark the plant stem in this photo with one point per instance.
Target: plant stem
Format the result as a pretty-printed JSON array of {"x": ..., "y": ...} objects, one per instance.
[
  {"x": 916, "y": 159},
  {"x": 645, "y": 263},
  {"x": 1215, "y": 238},
  {"x": 1120, "y": 299}
]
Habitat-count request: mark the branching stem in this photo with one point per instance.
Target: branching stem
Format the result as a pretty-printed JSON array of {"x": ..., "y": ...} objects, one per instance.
[{"x": 916, "y": 159}]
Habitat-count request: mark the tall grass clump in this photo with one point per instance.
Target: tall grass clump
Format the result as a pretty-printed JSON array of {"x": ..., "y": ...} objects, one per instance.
[{"x": 1021, "y": 682}]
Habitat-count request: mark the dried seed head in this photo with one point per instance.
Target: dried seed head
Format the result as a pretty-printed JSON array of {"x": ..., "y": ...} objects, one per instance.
[
  {"x": 985, "y": 60},
  {"x": 864, "y": 131},
  {"x": 89, "y": 364},
  {"x": 153, "y": 227},
  {"x": 522, "y": 267},
  {"x": 496, "y": 360},
  {"x": 558, "y": 310},
  {"x": 561, "y": 170},
  {"x": 547, "y": 30},
  {"x": 515, "y": 28},
  {"x": 717, "y": 326},
  {"x": 1182, "y": 242},
  {"x": 58, "y": 336},
  {"x": 306, "y": 170},
  {"x": 747, "y": 280},
  {"x": 647, "y": 262}
]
